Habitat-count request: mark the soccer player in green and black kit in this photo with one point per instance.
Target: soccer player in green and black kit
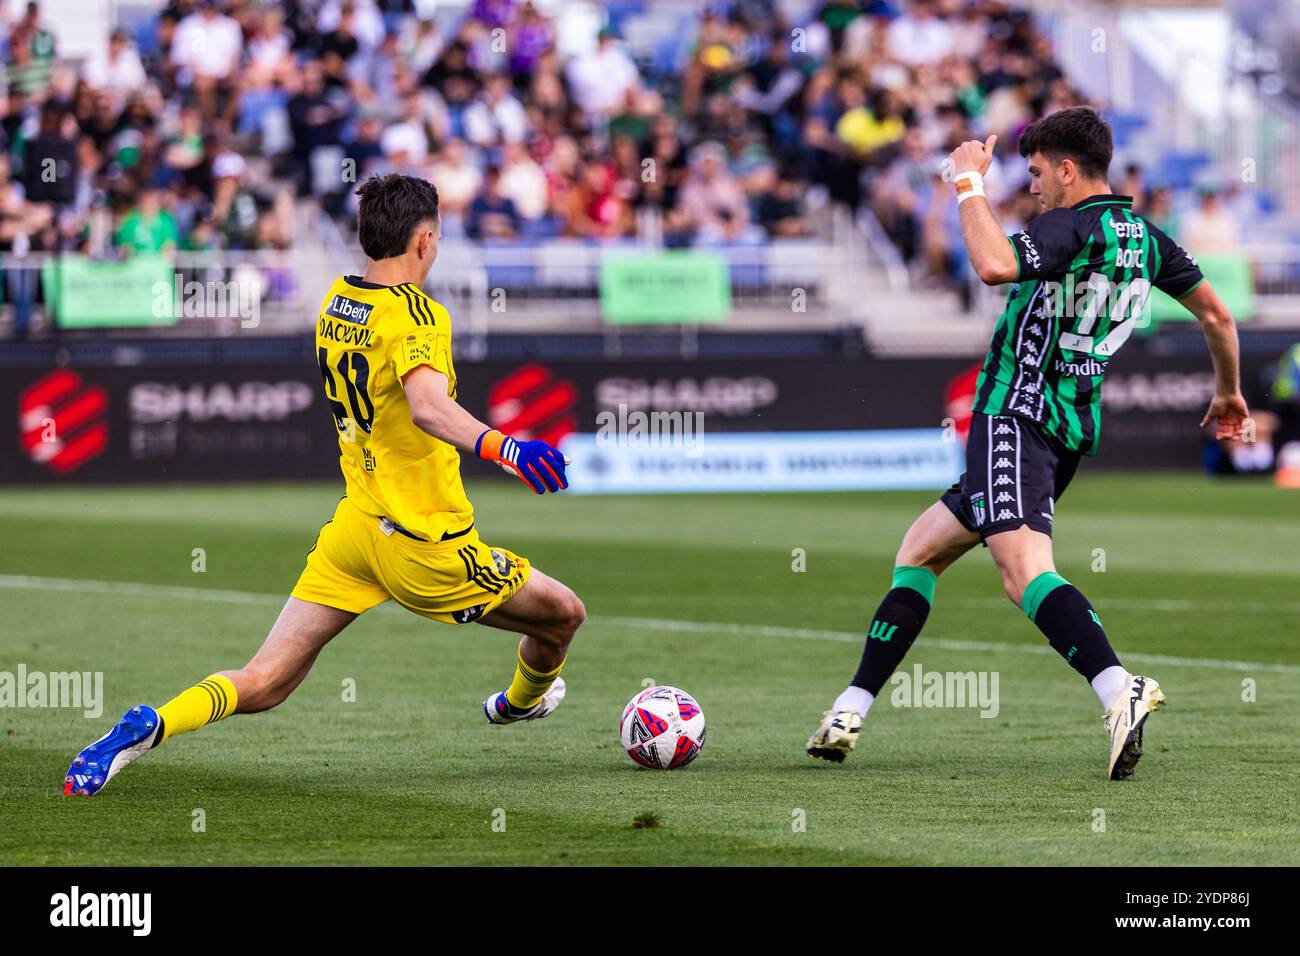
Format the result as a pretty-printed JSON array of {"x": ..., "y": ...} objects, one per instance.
[{"x": 1082, "y": 272}]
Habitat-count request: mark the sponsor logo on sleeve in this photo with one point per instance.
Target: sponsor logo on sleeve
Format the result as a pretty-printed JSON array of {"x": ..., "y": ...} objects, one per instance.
[{"x": 1029, "y": 250}]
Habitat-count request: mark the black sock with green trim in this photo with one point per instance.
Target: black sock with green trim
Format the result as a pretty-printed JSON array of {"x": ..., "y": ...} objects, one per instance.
[
  {"x": 1070, "y": 624},
  {"x": 897, "y": 624}
]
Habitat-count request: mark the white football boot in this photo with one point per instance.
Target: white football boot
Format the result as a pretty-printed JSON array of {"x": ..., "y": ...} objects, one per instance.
[
  {"x": 836, "y": 735},
  {"x": 1124, "y": 719}
]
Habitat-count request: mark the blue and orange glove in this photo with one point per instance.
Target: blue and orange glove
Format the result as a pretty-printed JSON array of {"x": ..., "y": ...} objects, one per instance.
[{"x": 539, "y": 465}]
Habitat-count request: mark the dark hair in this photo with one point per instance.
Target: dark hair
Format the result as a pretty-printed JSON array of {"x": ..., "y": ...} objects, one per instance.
[
  {"x": 1078, "y": 133},
  {"x": 391, "y": 208}
]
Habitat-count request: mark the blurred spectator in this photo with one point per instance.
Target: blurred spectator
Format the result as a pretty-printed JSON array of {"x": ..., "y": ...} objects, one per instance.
[
  {"x": 711, "y": 203},
  {"x": 116, "y": 70},
  {"x": 458, "y": 181},
  {"x": 147, "y": 226},
  {"x": 605, "y": 80},
  {"x": 919, "y": 36},
  {"x": 495, "y": 116},
  {"x": 1210, "y": 227},
  {"x": 523, "y": 182},
  {"x": 779, "y": 209},
  {"x": 492, "y": 215},
  {"x": 20, "y": 221},
  {"x": 205, "y": 52},
  {"x": 596, "y": 209},
  {"x": 31, "y": 53}
]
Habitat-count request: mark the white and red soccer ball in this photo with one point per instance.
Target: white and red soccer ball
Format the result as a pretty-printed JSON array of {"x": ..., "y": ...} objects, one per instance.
[{"x": 662, "y": 728}]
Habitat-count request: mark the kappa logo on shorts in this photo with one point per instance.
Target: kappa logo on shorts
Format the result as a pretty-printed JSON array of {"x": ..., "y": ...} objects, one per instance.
[{"x": 469, "y": 614}]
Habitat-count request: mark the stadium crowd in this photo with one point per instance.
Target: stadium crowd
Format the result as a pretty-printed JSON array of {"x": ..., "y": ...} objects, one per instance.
[{"x": 196, "y": 129}]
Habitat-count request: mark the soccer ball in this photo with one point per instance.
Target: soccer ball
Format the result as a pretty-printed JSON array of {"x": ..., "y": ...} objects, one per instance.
[{"x": 662, "y": 728}]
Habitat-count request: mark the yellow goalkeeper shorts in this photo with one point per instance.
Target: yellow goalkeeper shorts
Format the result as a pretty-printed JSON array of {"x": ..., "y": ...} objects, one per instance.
[{"x": 355, "y": 566}]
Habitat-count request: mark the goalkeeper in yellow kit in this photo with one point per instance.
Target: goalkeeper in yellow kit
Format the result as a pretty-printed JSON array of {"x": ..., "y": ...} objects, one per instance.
[{"x": 404, "y": 530}]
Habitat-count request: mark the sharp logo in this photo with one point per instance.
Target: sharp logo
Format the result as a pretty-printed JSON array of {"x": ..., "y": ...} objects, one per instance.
[
  {"x": 349, "y": 310},
  {"x": 60, "y": 421},
  {"x": 530, "y": 403},
  {"x": 152, "y": 402}
]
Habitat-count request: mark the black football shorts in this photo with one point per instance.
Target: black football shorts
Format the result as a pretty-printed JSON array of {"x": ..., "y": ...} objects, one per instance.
[{"x": 1014, "y": 477}]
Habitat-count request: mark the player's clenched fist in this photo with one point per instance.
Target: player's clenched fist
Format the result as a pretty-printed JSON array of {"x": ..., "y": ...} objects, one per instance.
[
  {"x": 539, "y": 465},
  {"x": 972, "y": 156}
]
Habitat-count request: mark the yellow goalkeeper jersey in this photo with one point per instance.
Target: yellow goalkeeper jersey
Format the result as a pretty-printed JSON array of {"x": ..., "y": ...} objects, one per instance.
[{"x": 368, "y": 337}]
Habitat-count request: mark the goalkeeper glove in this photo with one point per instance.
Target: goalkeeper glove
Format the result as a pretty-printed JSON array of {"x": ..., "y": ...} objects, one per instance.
[{"x": 539, "y": 465}]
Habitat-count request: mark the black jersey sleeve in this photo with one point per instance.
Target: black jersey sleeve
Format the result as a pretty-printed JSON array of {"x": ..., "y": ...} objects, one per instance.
[
  {"x": 1179, "y": 274},
  {"x": 1047, "y": 245}
]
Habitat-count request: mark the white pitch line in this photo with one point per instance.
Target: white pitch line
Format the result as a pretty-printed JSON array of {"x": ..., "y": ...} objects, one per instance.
[{"x": 20, "y": 582}]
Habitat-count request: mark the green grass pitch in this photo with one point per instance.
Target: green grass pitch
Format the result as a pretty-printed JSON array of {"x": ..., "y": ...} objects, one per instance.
[{"x": 1200, "y": 588}]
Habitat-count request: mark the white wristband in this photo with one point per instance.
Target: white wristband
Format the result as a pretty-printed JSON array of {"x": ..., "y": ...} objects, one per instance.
[{"x": 969, "y": 184}]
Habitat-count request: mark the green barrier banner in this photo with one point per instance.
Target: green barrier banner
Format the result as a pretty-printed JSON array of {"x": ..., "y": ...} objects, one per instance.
[
  {"x": 84, "y": 293},
  {"x": 1232, "y": 280},
  {"x": 665, "y": 288}
]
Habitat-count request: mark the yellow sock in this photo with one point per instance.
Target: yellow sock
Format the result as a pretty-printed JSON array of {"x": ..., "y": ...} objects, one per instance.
[
  {"x": 526, "y": 690},
  {"x": 209, "y": 700}
]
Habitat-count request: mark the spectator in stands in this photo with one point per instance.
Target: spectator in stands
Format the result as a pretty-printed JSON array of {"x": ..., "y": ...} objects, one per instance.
[
  {"x": 1210, "y": 227},
  {"x": 605, "y": 81},
  {"x": 147, "y": 226},
  {"x": 596, "y": 208},
  {"x": 50, "y": 160},
  {"x": 495, "y": 116},
  {"x": 530, "y": 37},
  {"x": 712, "y": 204},
  {"x": 205, "y": 52},
  {"x": 1159, "y": 208},
  {"x": 116, "y": 70},
  {"x": 492, "y": 215},
  {"x": 919, "y": 36},
  {"x": 31, "y": 54},
  {"x": 456, "y": 80},
  {"x": 779, "y": 209},
  {"x": 20, "y": 221},
  {"x": 523, "y": 182},
  {"x": 769, "y": 90},
  {"x": 315, "y": 120},
  {"x": 339, "y": 48},
  {"x": 903, "y": 192},
  {"x": 458, "y": 181}
]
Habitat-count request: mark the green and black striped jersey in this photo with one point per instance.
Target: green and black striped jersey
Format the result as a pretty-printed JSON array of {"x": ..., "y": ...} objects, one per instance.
[{"x": 1085, "y": 274}]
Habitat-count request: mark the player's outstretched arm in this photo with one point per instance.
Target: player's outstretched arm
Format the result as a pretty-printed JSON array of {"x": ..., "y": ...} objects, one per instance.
[
  {"x": 536, "y": 463},
  {"x": 991, "y": 255},
  {"x": 1228, "y": 407}
]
